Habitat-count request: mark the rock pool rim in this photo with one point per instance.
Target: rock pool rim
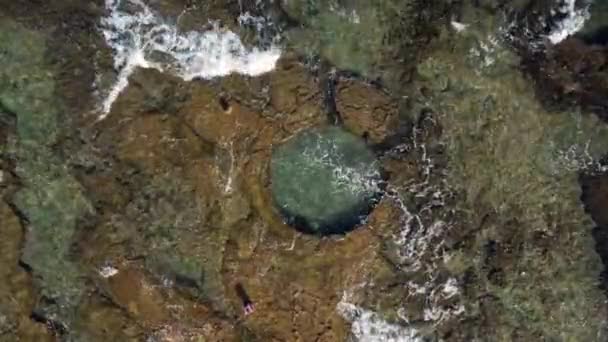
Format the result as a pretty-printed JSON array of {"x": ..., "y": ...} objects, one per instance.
[
  {"x": 343, "y": 220},
  {"x": 341, "y": 226}
]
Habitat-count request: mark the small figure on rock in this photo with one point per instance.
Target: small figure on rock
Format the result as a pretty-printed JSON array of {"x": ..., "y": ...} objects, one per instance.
[{"x": 248, "y": 307}]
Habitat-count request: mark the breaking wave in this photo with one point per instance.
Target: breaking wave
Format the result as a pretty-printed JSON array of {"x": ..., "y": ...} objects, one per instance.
[{"x": 141, "y": 38}]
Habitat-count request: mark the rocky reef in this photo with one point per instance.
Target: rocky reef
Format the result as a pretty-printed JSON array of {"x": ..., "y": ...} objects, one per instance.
[{"x": 141, "y": 202}]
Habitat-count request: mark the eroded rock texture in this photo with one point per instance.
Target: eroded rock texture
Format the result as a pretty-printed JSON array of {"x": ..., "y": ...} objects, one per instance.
[{"x": 157, "y": 222}]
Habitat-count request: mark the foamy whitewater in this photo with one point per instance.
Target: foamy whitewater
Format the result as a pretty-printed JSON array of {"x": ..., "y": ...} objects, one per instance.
[
  {"x": 368, "y": 326},
  {"x": 360, "y": 181},
  {"x": 418, "y": 240},
  {"x": 573, "y": 22},
  {"x": 137, "y": 36}
]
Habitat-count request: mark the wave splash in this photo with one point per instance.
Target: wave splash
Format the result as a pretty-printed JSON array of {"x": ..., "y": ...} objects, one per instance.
[
  {"x": 573, "y": 21},
  {"x": 141, "y": 38}
]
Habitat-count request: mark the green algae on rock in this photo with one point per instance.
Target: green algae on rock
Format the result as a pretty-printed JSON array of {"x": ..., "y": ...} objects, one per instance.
[
  {"x": 533, "y": 271},
  {"x": 376, "y": 39},
  {"x": 324, "y": 180},
  {"x": 176, "y": 232},
  {"x": 50, "y": 199}
]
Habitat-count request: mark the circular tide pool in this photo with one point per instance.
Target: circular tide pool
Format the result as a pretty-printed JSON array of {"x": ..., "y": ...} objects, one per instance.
[{"x": 325, "y": 180}]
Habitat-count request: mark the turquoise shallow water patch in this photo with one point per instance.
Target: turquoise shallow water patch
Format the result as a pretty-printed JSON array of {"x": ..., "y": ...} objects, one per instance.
[{"x": 325, "y": 180}]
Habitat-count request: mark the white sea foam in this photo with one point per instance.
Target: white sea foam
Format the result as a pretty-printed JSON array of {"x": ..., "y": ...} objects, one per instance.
[
  {"x": 486, "y": 52},
  {"x": 352, "y": 16},
  {"x": 459, "y": 27},
  {"x": 108, "y": 271},
  {"x": 368, "y": 326},
  {"x": 573, "y": 22},
  {"x": 141, "y": 38},
  {"x": 421, "y": 243},
  {"x": 575, "y": 158},
  {"x": 359, "y": 181}
]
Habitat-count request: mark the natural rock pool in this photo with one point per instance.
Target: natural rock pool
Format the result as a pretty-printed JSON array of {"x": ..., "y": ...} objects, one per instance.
[{"x": 325, "y": 181}]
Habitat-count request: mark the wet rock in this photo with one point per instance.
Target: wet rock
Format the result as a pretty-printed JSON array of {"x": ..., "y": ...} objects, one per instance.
[
  {"x": 534, "y": 20},
  {"x": 298, "y": 302},
  {"x": 251, "y": 92},
  {"x": 374, "y": 40},
  {"x": 71, "y": 34},
  {"x": 16, "y": 293},
  {"x": 52, "y": 215},
  {"x": 207, "y": 117},
  {"x": 295, "y": 96},
  {"x": 163, "y": 313},
  {"x": 292, "y": 86},
  {"x": 193, "y": 15},
  {"x": 366, "y": 111},
  {"x": 154, "y": 142},
  {"x": 151, "y": 91},
  {"x": 571, "y": 74},
  {"x": 170, "y": 194},
  {"x": 102, "y": 320},
  {"x": 26, "y": 88},
  {"x": 71, "y": 51},
  {"x": 520, "y": 234},
  {"x": 182, "y": 271},
  {"x": 159, "y": 92},
  {"x": 50, "y": 200},
  {"x": 185, "y": 244},
  {"x": 595, "y": 198},
  {"x": 206, "y": 332},
  {"x": 140, "y": 298},
  {"x": 105, "y": 189},
  {"x": 235, "y": 209},
  {"x": 346, "y": 36},
  {"x": 568, "y": 72},
  {"x": 7, "y": 128}
]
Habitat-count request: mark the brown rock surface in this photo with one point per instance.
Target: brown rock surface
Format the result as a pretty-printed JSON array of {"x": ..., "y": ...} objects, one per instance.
[
  {"x": 164, "y": 314},
  {"x": 571, "y": 74},
  {"x": 16, "y": 293},
  {"x": 295, "y": 96},
  {"x": 155, "y": 140},
  {"x": 366, "y": 109},
  {"x": 219, "y": 147}
]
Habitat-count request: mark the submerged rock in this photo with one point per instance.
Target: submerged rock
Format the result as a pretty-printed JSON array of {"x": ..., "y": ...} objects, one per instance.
[
  {"x": 325, "y": 180},
  {"x": 376, "y": 39}
]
